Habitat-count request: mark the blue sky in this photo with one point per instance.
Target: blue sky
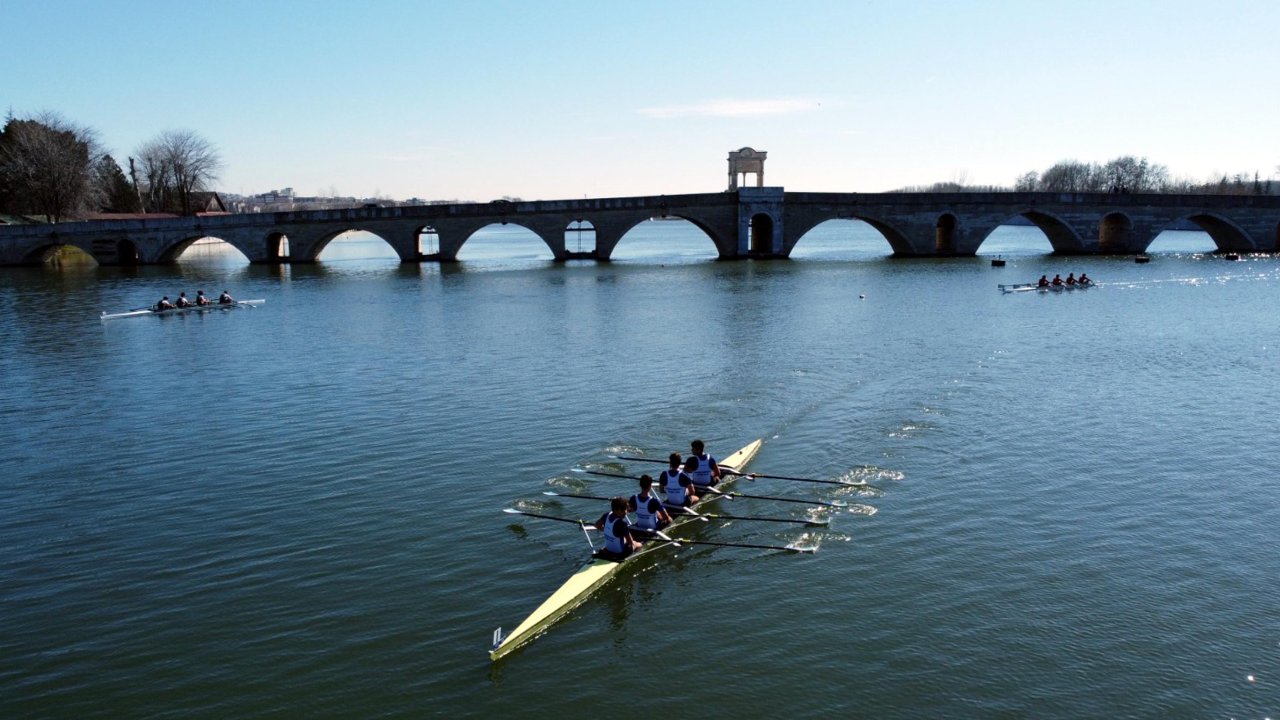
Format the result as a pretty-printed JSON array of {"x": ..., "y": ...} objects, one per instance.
[{"x": 560, "y": 99}]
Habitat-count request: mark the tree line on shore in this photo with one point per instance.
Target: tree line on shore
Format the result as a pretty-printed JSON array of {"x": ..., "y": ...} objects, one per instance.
[
  {"x": 58, "y": 170},
  {"x": 1125, "y": 174}
]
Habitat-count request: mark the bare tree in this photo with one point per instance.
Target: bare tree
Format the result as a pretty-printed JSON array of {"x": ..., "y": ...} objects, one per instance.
[
  {"x": 175, "y": 164},
  {"x": 1070, "y": 176},
  {"x": 47, "y": 167},
  {"x": 1027, "y": 182},
  {"x": 1131, "y": 174}
]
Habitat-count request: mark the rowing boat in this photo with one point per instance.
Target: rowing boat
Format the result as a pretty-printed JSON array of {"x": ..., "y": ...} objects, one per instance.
[
  {"x": 595, "y": 572},
  {"x": 180, "y": 310},
  {"x": 1028, "y": 287}
]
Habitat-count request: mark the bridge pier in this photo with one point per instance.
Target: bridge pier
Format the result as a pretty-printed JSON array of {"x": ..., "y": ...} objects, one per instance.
[{"x": 761, "y": 217}]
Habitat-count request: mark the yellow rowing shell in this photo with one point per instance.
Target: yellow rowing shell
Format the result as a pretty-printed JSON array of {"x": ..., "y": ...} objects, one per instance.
[{"x": 595, "y": 572}]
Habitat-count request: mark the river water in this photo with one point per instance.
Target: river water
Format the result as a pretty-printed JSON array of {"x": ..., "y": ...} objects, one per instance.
[{"x": 295, "y": 510}]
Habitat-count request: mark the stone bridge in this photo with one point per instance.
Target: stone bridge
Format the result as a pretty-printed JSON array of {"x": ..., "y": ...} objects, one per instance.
[{"x": 763, "y": 222}]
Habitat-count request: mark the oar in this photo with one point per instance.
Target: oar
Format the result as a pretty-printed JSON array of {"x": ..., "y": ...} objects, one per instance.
[
  {"x": 811, "y": 523},
  {"x": 749, "y": 476},
  {"x": 731, "y": 495},
  {"x": 721, "y": 493},
  {"x": 699, "y": 515},
  {"x": 580, "y": 523},
  {"x": 513, "y": 511},
  {"x": 836, "y": 503},
  {"x": 680, "y": 541},
  {"x": 753, "y": 476},
  {"x": 704, "y": 517}
]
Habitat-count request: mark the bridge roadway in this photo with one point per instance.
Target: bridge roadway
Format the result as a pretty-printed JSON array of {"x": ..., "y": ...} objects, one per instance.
[{"x": 750, "y": 222}]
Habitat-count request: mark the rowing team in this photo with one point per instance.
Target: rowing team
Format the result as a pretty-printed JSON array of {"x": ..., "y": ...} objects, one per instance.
[
  {"x": 200, "y": 301},
  {"x": 1071, "y": 280},
  {"x": 683, "y": 484}
]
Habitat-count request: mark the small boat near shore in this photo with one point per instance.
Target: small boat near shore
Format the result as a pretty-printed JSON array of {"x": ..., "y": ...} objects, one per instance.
[{"x": 140, "y": 312}]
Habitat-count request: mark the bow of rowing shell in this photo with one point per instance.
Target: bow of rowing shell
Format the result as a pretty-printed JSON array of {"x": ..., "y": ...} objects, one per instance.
[{"x": 750, "y": 222}]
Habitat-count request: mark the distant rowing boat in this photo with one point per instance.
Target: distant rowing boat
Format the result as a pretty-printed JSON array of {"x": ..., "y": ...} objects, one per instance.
[
  {"x": 1029, "y": 287},
  {"x": 178, "y": 310}
]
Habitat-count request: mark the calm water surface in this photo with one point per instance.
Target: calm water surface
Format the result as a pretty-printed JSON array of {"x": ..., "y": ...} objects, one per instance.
[{"x": 295, "y": 510}]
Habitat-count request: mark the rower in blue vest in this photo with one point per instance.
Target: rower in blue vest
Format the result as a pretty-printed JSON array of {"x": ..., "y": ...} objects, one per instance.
[
  {"x": 706, "y": 472},
  {"x": 650, "y": 514},
  {"x": 618, "y": 541},
  {"x": 676, "y": 484}
]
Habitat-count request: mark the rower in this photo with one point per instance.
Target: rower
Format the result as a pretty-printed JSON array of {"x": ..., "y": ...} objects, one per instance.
[
  {"x": 1057, "y": 281},
  {"x": 1071, "y": 278},
  {"x": 1044, "y": 281},
  {"x": 164, "y": 304},
  {"x": 201, "y": 300},
  {"x": 226, "y": 299},
  {"x": 1085, "y": 279},
  {"x": 618, "y": 541},
  {"x": 676, "y": 484},
  {"x": 707, "y": 472},
  {"x": 183, "y": 301},
  {"x": 650, "y": 514}
]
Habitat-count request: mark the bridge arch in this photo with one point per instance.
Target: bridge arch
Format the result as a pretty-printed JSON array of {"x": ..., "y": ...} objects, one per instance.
[
  {"x": 896, "y": 237},
  {"x": 672, "y": 224},
  {"x": 944, "y": 236},
  {"x": 1063, "y": 238},
  {"x": 427, "y": 240},
  {"x": 1226, "y": 235},
  {"x": 57, "y": 254},
  {"x": 841, "y": 237},
  {"x": 471, "y": 239},
  {"x": 761, "y": 236},
  {"x": 1115, "y": 233},
  {"x": 580, "y": 238},
  {"x": 171, "y": 253},
  {"x": 277, "y": 243},
  {"x": 318, "y": 247}
]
